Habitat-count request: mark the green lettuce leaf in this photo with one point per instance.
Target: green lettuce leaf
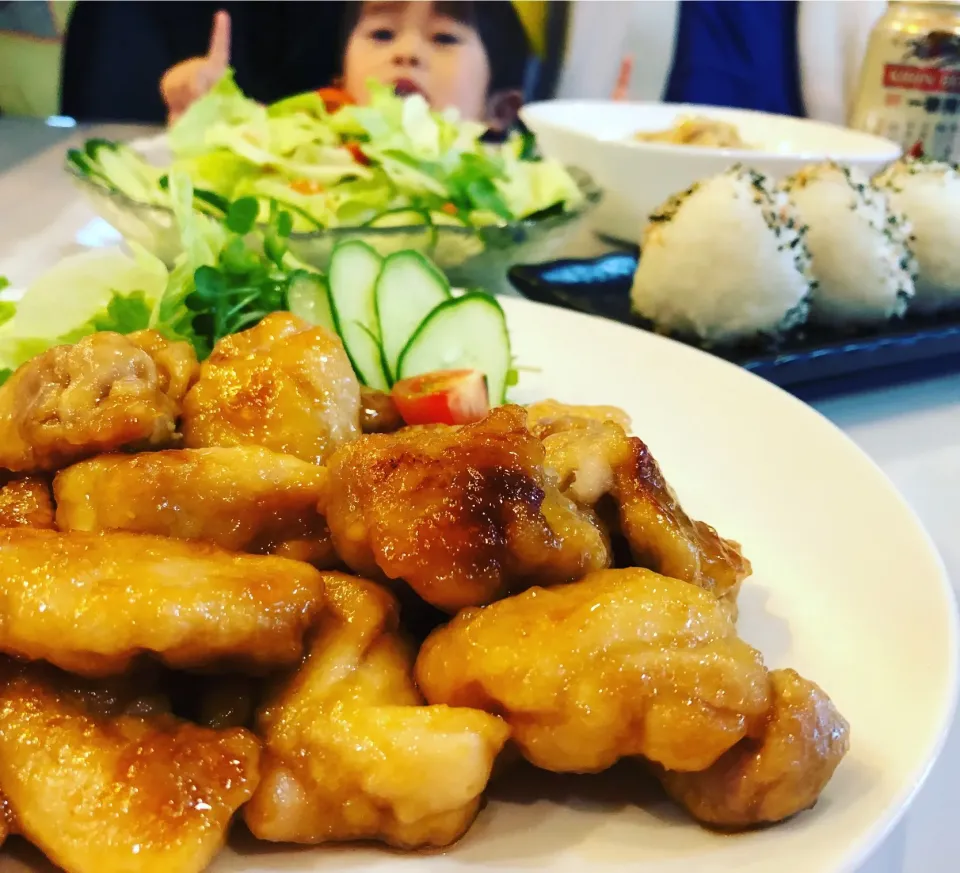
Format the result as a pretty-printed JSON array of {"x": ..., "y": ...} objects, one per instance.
[
  {"x": 219, "y": 171},
  {"x": 309, "y": 103},
  {"x": 71, "y": 292},
  {"x": 288, "y": 133},
  {"x": 223, "y": 107},
  {"x": 203, "y": 240},
  {"x": 310, "y": 160},
  {"x": 532, "y": 186},
  {"x": 123, "y": 313}
]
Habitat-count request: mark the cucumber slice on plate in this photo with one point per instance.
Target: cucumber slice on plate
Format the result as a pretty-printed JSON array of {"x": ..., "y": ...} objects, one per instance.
[
  {"x": 408, "y": 289},
  {"x": 353, "y": 272},
  {"x": 468, "y": 332},
  {"x": 124, "y": 169},
  {"x": 309, "y": 298}
]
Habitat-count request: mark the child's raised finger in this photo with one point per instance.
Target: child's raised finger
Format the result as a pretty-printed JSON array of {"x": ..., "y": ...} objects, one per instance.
[
  {"x": 219, "y": 51},
  {"x": 622, "y": 88}
]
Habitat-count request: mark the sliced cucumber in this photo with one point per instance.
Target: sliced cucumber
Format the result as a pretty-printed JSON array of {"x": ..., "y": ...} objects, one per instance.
[
  {"x": 309, "y": 298},
  {"x": 124, "y": 169},
  {"x": 93, "y": 147},
  {"x": 354, "y": 268},
  {"x": 408, "y": 289},
  {"x": 81, "y": 162},
  {"x": 400, "y": 218},
  {"x": 468, "y": 332}
]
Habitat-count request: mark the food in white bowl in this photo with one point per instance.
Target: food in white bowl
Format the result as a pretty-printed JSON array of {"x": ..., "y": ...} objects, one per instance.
[
  {"x": 724, "y": 261},
  {"x": 928, "y": 193},
  {"x": 699, "y": 132},
  {"x": 862, "y": 260},
  {"x": 599, "y": 136}
]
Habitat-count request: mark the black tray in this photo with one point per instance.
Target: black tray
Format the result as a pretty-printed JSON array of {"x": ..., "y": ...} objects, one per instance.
[{"x": 814, "y": 362}]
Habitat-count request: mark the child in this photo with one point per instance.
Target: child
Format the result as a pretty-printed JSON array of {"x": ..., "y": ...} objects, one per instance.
[{"x": 471, "y": 56}]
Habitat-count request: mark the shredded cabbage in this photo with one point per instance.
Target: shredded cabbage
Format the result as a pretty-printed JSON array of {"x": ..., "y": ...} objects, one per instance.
[{"x": 348, "y": 167}]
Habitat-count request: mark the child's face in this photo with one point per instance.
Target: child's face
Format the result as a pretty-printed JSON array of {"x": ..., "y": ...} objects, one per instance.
[{"x": 415, "y": 48}]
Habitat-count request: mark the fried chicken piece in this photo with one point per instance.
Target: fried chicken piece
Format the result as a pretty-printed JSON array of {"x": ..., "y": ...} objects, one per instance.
[
  {"x": 463, "y": 515},
  {"x": 583, "y": 457},
  {"x": 378, "y": 412},
  {"x": 8, "y": 824},
  {"x": 283, "y": 385},
  {"x": 113, "y": 793},
  {"x": 551, "y": 416},
  {"x": 664, "y": 538},
  {"x": 104, "y": 393},
  {"x": 624, "y": 662},
  {"x": 90, "y": 603},
  {"x": 589, "y": 454},
  {"x": 777, "y": 774},
  {"x": 583, "y": 446},
  {"x": 227, "y": 701},
  {"x": 176, "y": 362},
  {"x": 244, "y": 498},
  {"x": 351, "y": 752},
  {"x": 26, "y": 503},
  {"x": 139, "y": 692}
]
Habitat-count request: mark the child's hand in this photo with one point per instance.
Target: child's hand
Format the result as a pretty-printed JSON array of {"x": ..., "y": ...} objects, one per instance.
[
  {"x": 621, "y": 89},
  {"x": 189, "y": 80}
]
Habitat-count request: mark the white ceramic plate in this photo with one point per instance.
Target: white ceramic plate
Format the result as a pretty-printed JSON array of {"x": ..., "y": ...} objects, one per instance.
[{"x": 847, "y": 588}]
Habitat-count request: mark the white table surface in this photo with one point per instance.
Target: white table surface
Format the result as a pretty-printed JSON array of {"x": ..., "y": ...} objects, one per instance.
[{"x": 911, "y": 431}]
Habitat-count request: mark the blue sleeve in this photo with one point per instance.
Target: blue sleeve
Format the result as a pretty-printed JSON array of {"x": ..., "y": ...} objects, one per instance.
[{"x": 740, "y": 53}]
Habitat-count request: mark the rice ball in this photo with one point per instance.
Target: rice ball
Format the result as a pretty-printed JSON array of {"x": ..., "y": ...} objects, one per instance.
[
  {"x": 724, "y": 261},
  {"x": 928, "y": 194},
  {"x": 861, "y": 252}
]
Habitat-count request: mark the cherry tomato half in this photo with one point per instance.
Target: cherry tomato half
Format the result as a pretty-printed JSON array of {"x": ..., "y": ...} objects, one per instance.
[{"x": 444, "y": 397}]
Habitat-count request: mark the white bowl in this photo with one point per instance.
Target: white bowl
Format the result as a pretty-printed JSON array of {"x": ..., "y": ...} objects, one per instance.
[{"x": 637, "y": 177}]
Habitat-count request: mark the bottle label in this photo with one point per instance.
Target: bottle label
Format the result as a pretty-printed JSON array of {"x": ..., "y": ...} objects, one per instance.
[{"x": 910, "y": 91}]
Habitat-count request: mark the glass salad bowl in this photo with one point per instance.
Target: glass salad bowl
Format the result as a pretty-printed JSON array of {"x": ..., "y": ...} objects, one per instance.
[{"x": 472, "y": 257}]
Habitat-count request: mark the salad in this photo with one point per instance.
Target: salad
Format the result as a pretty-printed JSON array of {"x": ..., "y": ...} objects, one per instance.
[
  {"x": 395, "y": 162},
  {"x": 398, "y": 318}
]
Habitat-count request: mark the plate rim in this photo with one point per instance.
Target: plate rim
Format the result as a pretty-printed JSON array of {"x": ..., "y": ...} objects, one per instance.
[{"x": 870, "y": 839}]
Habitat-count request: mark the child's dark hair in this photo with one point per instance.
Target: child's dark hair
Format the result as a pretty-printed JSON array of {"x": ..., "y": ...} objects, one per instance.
[{"x": 496, "y": 23}]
